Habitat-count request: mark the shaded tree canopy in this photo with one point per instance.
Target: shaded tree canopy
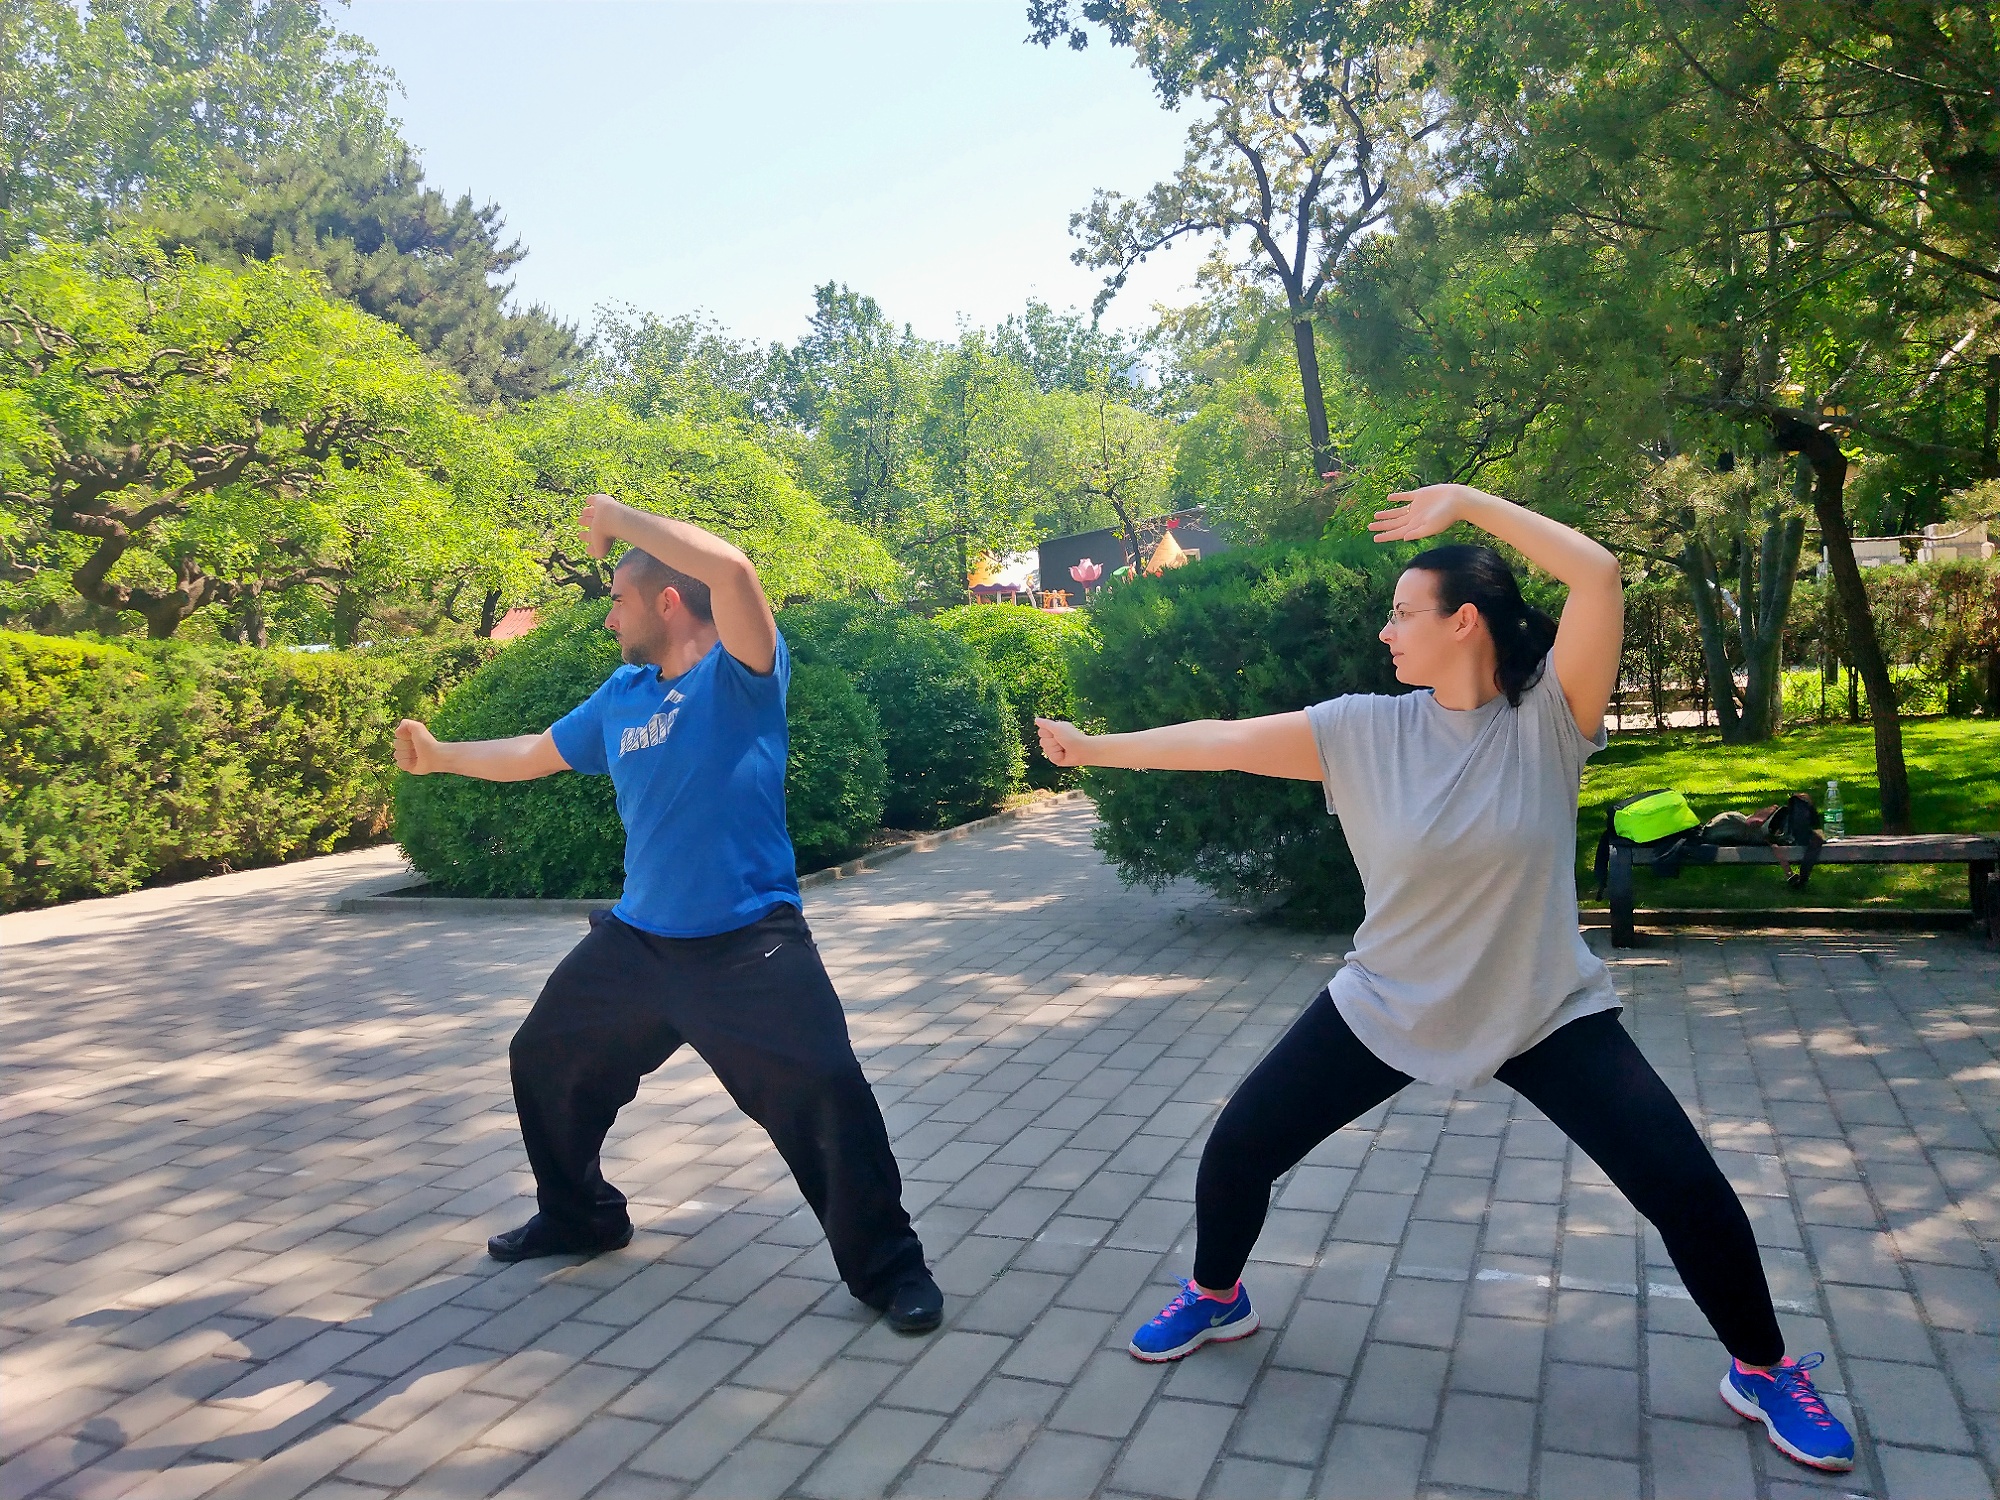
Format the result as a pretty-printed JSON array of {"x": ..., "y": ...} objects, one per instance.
[{"x": 358, "y": 211}]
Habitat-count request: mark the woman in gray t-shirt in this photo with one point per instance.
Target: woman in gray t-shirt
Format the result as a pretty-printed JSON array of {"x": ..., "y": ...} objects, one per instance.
[{"x": 1459, "y": 805}]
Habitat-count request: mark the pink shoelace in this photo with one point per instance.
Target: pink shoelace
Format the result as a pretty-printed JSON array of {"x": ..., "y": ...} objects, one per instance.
[
  {"x": 1793, "y": 1379},
  {"x": 1188, "y": 1297}
]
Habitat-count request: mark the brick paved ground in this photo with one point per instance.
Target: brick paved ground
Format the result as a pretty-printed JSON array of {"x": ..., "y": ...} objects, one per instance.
[{"x": 253, "y": 1150}]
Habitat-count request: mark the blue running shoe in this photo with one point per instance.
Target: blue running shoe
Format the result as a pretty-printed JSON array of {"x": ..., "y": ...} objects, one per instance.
[
  {"x": 1191, "y": 1320},
  {"x": 1792, "y": 1412}
]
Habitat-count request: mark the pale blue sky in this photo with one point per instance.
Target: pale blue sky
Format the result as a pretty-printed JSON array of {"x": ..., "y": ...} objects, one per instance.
[{"x": 733, "y": 154}]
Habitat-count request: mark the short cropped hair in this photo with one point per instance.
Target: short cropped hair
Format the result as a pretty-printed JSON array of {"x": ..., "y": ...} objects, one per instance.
[{"x": 652, "y": 575}]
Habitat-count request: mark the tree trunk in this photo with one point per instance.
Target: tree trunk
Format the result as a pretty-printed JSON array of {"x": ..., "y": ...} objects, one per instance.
[
  {"x": 489, "y": 613},
  {"x": 1699, "y": 565},
  {"x": 350, "y": 608},
  {"x": 247, "y": 627},
  {"x": 1765, "y": 599},
  {"x": 1829, "y": 465},
  {"x": 1304, "y": 345}
]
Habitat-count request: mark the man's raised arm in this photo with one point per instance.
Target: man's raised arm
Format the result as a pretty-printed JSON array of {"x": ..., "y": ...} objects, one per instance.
[
  {"x": 742, "y": 613},
  {"x": 522, "y": 758}
]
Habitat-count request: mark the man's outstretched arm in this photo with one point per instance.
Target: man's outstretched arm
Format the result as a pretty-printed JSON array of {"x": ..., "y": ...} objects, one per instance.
[
  {"x": 742, "y": 613},
  {"x": 522, "y": 758}
]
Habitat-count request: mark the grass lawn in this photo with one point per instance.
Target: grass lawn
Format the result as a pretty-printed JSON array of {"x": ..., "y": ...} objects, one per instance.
[{"x": 1954, "y": 788}]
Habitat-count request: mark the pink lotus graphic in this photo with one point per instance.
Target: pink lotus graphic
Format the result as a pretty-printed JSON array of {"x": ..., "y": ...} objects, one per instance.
[{"x": 1087, "y": 572}]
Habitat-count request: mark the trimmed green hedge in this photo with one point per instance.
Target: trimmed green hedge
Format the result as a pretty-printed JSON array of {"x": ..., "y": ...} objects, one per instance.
[
  {"x": 123, "y": 764},
  {"x": 560, "y": 836},
  {"x": 1029, "y": 651},
  {"x": 953, "y": 748},
  {"x": 1261, "y": 631}
]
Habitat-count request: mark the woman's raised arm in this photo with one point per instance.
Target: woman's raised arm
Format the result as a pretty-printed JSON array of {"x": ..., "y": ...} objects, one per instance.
[{"x": 1591, "y": 635}]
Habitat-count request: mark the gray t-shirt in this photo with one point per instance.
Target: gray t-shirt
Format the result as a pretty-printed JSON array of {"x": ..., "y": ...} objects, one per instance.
[{"x": 1463, "y": 823}]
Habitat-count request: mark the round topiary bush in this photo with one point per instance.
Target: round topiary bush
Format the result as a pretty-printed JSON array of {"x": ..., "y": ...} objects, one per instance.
[
  {"x": 557, "y": 836},
  {"x": 1029, "y": 651},
  {"x": 1263, "y": 631},
  {"x": 949, "y": 736},
  {"x": 560, "y": 835},
  {"x": 836, "y": 777}
]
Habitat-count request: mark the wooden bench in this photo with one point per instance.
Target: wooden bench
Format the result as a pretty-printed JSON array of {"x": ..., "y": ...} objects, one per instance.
[{"x": 1977, "y": 851}]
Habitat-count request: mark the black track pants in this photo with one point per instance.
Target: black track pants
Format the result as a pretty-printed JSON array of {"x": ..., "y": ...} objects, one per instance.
[
  {"x": 757, "y": 1005},
  {"x": 1589, "y": 1079}
]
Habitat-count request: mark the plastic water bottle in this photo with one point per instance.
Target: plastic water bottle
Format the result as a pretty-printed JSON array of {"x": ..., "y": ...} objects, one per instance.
[{"x": 1836, "y": 815}]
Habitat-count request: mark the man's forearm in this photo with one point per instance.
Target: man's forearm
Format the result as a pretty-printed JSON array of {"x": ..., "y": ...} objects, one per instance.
[
  {"x": 682, "y": 547},
  {"x": 521, "y": 758}
]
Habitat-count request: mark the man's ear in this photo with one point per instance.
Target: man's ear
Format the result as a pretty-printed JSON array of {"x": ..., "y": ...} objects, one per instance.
[{"x": 668, "y": 601}]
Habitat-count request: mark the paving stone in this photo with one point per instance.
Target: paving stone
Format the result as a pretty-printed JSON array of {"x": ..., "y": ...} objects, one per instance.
[
  {"x": 1058, "y": 1346},
  {"x": 865, "y": 1462},
  {"x": 1484, "y": 1441},
  {"x": 1911, "y": 1474},
  {"x": 1288, "y": 1417},
  {"x": 1398, "y": 1386},
  {"x": 1107, "y": 1397},
  {"x": 759, "y": 1470},
  {"x": 281, "y": 1290},
  {"x": 707, "y": 1434},
  {"x": 1059, "y": 1466},
  {"x": 933, "y": 1481},
  {"x": 948, "y": 1370},
  {"x": 1325, "y": 1337},
  {"x": 690, "y": 1374},
  {"x": 1591, "y": 1409},
  {"x": 1498, "y": 1356},
  {"x": 1885, "y": 1322},
  {"x": 1570, "y": 1476},
  {"x": 1371, "y": 1463},
  {"x": 996, "y": 1425},
  {"x": 1174, "y": 1450},
  {"x": 1908, "y": 1404},
  {"x": 1420, "y": 1312},
  {"x": 1698, "y": 1463},
  {"x": 583, "y": 1460}
]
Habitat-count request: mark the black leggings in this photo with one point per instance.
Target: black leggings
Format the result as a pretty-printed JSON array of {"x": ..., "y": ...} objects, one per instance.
[{"x": 1588, "y": 1077}]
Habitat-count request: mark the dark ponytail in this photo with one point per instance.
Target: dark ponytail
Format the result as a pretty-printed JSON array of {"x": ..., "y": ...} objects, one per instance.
[{"x": 1521, "y": 633}]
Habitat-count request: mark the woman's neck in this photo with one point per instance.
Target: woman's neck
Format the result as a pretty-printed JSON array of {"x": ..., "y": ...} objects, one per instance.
[{"x": 1474, "y": 683}]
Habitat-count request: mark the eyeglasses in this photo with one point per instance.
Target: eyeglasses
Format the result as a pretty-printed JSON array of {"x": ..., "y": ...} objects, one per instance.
[{"x": 1402, "y": 616}]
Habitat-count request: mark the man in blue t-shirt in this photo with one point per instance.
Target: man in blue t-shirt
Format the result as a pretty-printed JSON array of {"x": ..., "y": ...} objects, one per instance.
[{"x": 707, "y": 946}]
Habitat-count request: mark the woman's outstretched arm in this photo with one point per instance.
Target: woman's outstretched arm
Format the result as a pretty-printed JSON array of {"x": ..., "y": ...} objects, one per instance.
[
  {"x": 1591, "y": 634},
  {"x": 1274, "y": 745}
]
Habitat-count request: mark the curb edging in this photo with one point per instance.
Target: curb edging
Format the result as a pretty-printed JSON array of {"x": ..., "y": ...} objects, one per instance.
[{"x": 374, "y": 895}]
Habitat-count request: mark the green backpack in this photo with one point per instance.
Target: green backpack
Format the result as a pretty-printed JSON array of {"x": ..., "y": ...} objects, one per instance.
[{"x": 1660, "y": 819}]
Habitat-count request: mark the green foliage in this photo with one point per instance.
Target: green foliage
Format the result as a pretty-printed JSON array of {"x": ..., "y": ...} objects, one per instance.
[
  {"x": 1029, "y": 651},
  {"x": 358, "y": 211},
  {"x": 105, "y": 103},
  {"x": 949, "y": 735},
  {"x": 176, "y": 435},
  {"x": 560, "y": 836},
  {"x": 1954, "y": 788},
  {"x": 837, "y": 776},
  {"x": 119, "y": 766},
  {"x": 1261, "y": 631}
]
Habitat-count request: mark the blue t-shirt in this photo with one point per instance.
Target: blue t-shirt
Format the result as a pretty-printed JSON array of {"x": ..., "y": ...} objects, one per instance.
[{"x": 699, "y": 765}]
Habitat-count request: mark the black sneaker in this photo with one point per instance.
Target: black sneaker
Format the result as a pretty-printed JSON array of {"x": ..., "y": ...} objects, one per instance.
[
  {"x": 535, "y": 1239},
  {"x": 916, "y": 1306}
]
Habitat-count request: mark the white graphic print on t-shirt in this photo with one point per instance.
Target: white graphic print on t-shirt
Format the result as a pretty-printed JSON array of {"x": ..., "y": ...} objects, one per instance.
[{"x": 654, "y": 731}]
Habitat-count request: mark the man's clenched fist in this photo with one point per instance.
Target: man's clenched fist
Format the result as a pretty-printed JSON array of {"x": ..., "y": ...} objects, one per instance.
[{"x": 416, "y": 749}]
